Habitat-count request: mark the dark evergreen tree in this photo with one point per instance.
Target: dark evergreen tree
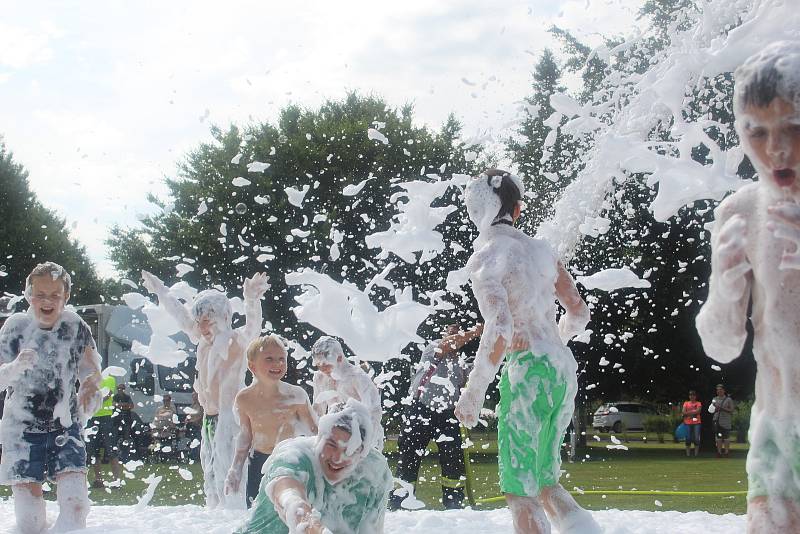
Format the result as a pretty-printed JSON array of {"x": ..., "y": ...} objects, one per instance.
[{"x": 31, "y": 234}]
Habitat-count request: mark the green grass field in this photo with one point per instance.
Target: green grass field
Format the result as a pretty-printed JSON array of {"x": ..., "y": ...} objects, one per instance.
[{"x": 647, "y": 466}]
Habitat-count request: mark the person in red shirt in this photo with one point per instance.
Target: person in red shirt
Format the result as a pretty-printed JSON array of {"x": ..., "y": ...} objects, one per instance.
[{"x": 691, "y": 418}]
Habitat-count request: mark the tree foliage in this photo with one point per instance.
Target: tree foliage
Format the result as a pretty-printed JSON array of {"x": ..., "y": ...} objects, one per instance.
[
  {"x": 32, "y": 234},
  {"x": 256, "y": 228}
]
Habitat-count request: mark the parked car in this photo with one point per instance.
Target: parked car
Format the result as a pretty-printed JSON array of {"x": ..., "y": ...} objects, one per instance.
[{"x": 617, "y": 416}]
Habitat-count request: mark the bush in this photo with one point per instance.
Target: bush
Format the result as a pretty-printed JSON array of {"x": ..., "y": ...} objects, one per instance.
[
  {"x": 741, "y": 420},
  {"x": 658, "y": 425}
]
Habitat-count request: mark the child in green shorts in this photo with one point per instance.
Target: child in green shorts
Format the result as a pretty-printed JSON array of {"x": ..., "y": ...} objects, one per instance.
[{"x": 516, "y": 280}]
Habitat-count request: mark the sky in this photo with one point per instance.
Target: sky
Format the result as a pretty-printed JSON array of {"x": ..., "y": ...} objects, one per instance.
[{"x": 101, "y": 100}]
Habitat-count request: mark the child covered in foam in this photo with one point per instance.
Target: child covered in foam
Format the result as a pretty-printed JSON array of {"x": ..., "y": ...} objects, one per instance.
[
  {"x": 269, "y": 411},
  {"x": 336, "y": 482},
  {"x": 755, "y": 261},
  {"x": 516, "y": 280},
  {"x": 43, "y": 353},
  {"x": 221, "y": 367},
  {"x": 336, "y": 380}
]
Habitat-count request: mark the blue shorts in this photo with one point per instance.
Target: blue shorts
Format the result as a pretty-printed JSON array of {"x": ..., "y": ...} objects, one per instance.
[{"x": 51, "y": 453}]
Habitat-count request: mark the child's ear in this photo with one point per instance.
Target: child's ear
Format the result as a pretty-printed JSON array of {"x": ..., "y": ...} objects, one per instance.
[{"x": 66, "y": 298}]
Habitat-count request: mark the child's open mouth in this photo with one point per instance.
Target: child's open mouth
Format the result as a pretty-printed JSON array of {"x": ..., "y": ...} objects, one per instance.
[
  {"x": 784, "y": 177},
  {"x": 46, "y": 311}
]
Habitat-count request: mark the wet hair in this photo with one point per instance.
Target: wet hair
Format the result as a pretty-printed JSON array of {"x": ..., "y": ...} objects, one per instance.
[
  {"x": 51, "y": 269},
  {"x": 508, "y": 191},
  {"x": 766, "y": 75},
  {"x": 346, "y": 422},
  {"x": 327, "y": 348},
  {"x": 213, "y": 304},
  {"x": 261, "y": 343}
]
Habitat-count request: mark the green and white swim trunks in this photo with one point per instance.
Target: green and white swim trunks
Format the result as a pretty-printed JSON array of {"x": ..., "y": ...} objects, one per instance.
[
  {"x": 536, "y": 404},
  {"x": 773, "y": 461}
]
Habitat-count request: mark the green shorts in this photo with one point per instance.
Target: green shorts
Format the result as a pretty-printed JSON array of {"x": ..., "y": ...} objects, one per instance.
[
  {"x": 536, "y": 404},
  {"x": 773, "y": 461}
]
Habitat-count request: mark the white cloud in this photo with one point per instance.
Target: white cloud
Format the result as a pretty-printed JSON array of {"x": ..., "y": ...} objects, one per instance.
[
  {"x": 101, "y": 107},
  {"x": 22, "y": 47}
]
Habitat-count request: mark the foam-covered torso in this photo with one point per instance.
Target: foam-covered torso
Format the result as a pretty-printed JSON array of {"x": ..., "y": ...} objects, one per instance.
[
  {"x": 44, "y": 395},
  {"x": 525, "y": 270}
]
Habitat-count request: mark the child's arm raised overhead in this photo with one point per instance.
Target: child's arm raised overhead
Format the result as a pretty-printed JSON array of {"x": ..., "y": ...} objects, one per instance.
[
  {"x": 253, "y": 289},
  {"x": 173, "y": 306},
  {"x": 721, "y": 321},
  {"x": 243, "y": 443}
]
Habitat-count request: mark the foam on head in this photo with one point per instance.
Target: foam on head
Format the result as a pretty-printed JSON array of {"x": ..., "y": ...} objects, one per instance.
[
  {"x": 261, "y": 343},
  {"x": 354, "y": 418},
  {"x": 774, "y": 72},
  {"x": 327, "y": 349},
  {"x": 214, "y": 305},
  {"x": 492, "y": 196},
  {"x": 51, "y": 269}
]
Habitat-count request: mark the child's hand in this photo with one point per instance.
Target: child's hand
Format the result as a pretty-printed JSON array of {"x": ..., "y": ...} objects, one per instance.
[
  {"x": 255, "y": 287},
  {"x": 786, "y": 225},
  {"x": 232, "y": 481},
  {"x": 89, "y": 397},
  {"x": 731, "y": 259},
  {"x": 468, "y": 407},
  {"x": 571, "y": 325},
  {"x": 311, "y": 524},
  {"x": 152, "y": 283},
  {"x": 25, "y": 360}
]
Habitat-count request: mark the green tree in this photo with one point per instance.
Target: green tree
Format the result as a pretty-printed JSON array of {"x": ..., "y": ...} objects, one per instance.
[
  {"x": 31, "y": 234},
  {"x": 537, "y": 151},
  {"x": 227, "y": 232}
]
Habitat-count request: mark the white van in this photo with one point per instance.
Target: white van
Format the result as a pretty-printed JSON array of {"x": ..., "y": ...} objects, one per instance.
[{"x": 619, "y": 416}]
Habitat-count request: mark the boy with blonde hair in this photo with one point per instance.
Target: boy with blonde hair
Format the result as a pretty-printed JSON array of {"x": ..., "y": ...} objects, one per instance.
[
  {"x": 269, "y": 411},
  {"x": 43, "y": 353},
  {"x": 755, "y": 263}
]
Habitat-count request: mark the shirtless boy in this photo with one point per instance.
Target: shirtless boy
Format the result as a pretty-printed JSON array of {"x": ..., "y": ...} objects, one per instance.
[
  {"x": 269, "y": 411},
  {"x": 755, "y": 259},
  {"x": 337, "y": 380},
  {"x": 220, "y": 371}
]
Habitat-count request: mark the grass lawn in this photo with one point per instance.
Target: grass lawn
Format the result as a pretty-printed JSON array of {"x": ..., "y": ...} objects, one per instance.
[{"x": 644, "y": 466}]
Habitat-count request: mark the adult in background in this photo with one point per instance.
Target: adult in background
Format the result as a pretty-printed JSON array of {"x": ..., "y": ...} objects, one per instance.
[
  {"x": 691, "y": 418},
  {"x": 722, "y": 408},
  {"x": 123, "y": 421},
  {"x": 102, "y": 436},
  {"x": 435, "y": 387}
]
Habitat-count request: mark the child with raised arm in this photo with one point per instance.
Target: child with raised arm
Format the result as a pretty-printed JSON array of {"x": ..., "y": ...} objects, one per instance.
[
  {"x": 516, "y": 280},
  {"x": 269, "y": 412},
  {"x": 221, "y": 368},
  {"x": 336, "y": 380},
  {"x": 755, "y": 262},
  {"x": 43, "y": 353}
]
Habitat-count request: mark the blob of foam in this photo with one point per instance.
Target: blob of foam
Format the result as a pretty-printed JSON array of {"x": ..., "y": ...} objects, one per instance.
[
  {"x": 344, "y": 311},
  {"x": 612, "y": 279}
]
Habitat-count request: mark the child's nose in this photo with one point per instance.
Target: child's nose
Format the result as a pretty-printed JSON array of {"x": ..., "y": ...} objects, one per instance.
[{"x": 777, "y": 149}]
